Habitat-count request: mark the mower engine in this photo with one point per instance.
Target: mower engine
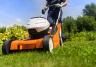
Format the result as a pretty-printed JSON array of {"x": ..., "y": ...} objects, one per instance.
[{"x": 38, "y": 27}]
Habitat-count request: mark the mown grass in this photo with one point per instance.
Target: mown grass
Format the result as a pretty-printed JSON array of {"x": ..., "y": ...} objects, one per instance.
[{"x": 72, "y": 54}]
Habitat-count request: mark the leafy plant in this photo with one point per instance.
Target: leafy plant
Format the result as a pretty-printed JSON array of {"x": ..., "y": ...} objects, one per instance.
[{"x": 15, "y": 31}]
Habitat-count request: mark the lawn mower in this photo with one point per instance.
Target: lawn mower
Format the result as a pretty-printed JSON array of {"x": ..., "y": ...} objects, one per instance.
[{"x": 41, "y": 36}]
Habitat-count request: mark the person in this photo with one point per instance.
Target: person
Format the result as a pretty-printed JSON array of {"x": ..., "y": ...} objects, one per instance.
[{"x": 54, "y": 9}]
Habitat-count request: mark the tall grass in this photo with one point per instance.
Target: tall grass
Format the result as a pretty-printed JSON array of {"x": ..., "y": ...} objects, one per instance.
[
  {"x": 72, "y": 54},
  {"x": 78, "y": 51}
]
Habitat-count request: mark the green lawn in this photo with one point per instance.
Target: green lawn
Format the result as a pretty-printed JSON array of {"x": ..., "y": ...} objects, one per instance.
[{"x": 72, "y": 54}]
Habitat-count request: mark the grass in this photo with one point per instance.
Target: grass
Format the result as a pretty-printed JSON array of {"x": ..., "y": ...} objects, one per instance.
[{"x": 72, "y": 54}]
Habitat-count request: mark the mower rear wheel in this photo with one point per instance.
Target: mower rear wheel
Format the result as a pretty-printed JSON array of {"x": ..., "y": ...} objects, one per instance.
[
  {"x": 48, "y": 44},
  {"x": 6, "y": 47}
]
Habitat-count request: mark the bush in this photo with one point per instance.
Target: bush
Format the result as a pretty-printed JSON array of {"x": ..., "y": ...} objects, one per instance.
[
  {"x": 69, "y": 25},
  {"x": 15, "y": 31},
  {"x": 86, "y": 23},
  {"x": 83, "y": 36},
  {"x": 2, "y": 29}
]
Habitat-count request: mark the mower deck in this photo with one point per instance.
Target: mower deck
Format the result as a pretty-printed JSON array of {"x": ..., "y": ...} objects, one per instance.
[
  {"x": 44, "y": 42},
  {"x": 26, "y": 44}
]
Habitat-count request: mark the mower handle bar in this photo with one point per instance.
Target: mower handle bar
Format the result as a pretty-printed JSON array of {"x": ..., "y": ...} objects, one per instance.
[{"x": 52, "y": 5}]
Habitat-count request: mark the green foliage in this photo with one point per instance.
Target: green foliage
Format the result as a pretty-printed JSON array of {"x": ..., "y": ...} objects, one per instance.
[
  {"x": 69, "y": 25},
  {"x": 90, "y": 10},
  {"x": 84, "y": 23},
  {"x": 2, "y": 29},
  {"x": 83, "y": 36},
  {"x": 15, "y": 31},
  {"x": 72, "y": 54}
]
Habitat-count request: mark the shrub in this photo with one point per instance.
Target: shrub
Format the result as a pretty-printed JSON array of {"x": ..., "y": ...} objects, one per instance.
[
  {"x": 86, "y": 23},
  {"x": 83, "y": 36},
  {"x": 2, "y": 29},
  {"x": 15, "y": 31},
  {"x": 69, "y": 25}
]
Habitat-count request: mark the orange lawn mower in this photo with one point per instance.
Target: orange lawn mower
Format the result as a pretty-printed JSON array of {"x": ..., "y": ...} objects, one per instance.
[{"x": 41, "y": 36}]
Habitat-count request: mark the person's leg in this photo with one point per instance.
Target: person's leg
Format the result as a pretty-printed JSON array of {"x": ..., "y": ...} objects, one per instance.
[
  {"x": 53, "y": 15},
  {"x": 61, "y": 13},
  {"x": 49, "y": 17},
  {"x": 56, "y": 14}
]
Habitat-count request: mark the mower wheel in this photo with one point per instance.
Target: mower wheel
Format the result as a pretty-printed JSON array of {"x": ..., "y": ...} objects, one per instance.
[
  {"x": 48, "y": 44},
  {"x": 6, "y": 47}
]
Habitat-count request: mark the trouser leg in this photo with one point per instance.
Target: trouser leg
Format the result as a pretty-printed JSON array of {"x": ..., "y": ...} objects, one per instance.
[
  {"x": 50, "y": 17},
  {"x": 53, "y": 16}
]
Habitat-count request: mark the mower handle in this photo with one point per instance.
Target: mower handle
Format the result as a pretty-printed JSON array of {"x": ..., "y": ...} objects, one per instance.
[{"x": 52, "y": 5}]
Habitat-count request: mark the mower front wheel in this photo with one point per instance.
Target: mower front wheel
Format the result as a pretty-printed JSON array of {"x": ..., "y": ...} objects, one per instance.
[
  {"x": 48, "y": 44},
  {"x": 6, "y": 47}
]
